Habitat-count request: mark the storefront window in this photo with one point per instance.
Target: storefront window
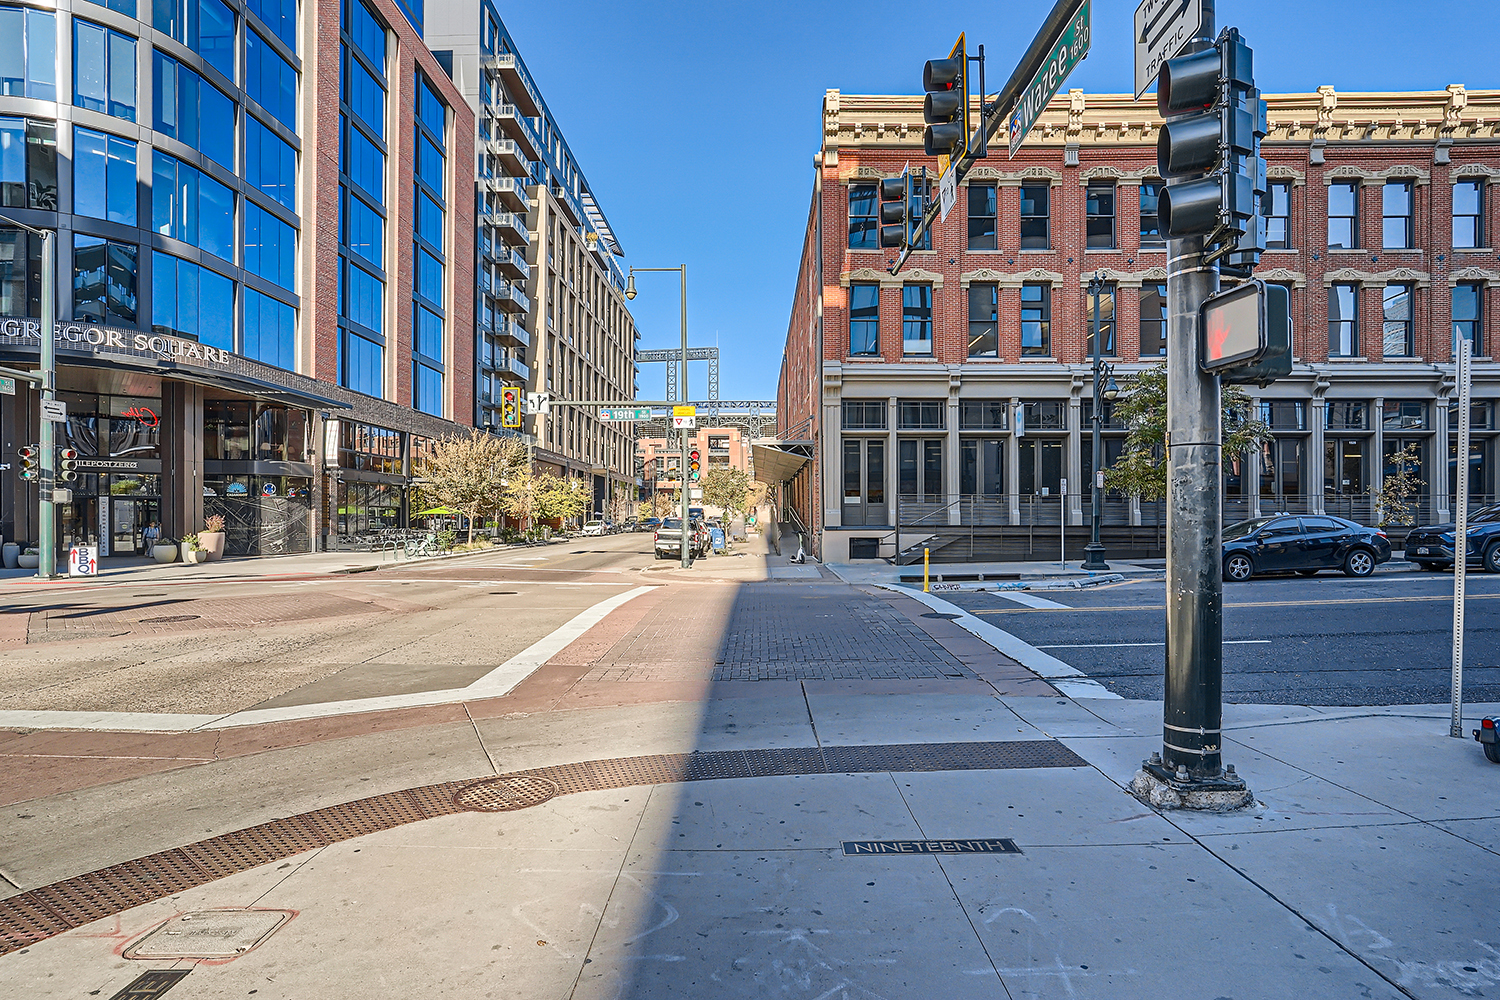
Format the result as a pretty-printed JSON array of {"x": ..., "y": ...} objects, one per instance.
[
  {"x": 226, "y": 430},
  {"x": 134, "y": 427},
  {"x": 368, "y": 507},
  {"x": 369, "y": 448}
]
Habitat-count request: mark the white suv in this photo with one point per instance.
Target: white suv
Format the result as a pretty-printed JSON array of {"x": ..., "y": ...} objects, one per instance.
[{"x": 593, "y": 528}]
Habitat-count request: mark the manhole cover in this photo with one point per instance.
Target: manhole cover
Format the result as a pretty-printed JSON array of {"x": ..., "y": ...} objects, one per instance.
[
  {"x": 209, "y": 934},
  {"x": 169, "y": 618},
  {"x": 505, "y": 794},
  {"x": 939, "y": 614}
]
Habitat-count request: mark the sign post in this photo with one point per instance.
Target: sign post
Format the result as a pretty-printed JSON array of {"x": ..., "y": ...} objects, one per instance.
[
  {"x": 1460, "y": 537},
  {"x": 1067, "y": 52}
]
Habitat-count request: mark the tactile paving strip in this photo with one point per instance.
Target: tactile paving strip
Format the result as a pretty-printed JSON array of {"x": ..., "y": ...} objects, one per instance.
[{"x": 41, "y": 913}]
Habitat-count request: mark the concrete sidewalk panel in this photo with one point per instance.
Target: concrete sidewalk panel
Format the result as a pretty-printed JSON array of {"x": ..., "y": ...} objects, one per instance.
[
  {"x": 925, "y": 717},
  {"x": 1414, "y": 902},
  {"x": 1142, "y": 923},
  {"x": 1060, "y": 717},
  {"x": 781, "y": 813},
  {"x": 783, "y": 923},
  {"x": 1484, "y": 831},
  {"x": 747, "y": 723},
  {"x": 1054, "y": 806},
  {"x": 518, "y": 741}
]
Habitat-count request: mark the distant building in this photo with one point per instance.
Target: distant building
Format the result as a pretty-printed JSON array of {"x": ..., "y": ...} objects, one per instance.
[
  {"x": 659, "y": 459},
  {"x": 959, "y": 392}
]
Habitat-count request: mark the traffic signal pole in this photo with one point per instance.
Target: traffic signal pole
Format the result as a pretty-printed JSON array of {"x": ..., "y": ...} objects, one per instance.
[{"x": 46, "y": 566}]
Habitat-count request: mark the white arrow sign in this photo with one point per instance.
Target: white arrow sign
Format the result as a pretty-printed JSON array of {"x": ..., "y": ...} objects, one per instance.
[{"x": 1162, "y": 28}]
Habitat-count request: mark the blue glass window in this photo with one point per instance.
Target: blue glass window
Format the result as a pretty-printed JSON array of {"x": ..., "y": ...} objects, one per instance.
[
  {"x": 270, "y": 331},
  {"x": 363, "y": 161},
  {"x": 191, "y": 301},
  {"x": 103, "y": 70},
  {"x": 126, "y": 7},
  {"x": 413, "y": 11},
  {"x": 270, "y": 164},
  {"x": 28, "y": 53},
  {"x": 270, "y": 80},
  {"x": 430, "y": 164},
  {"x": 270, "y": 246},
  {"x": 205, "y": 26},
  {"x": 183, "y": 101},
  {"x": 278, "y": 15},
  {"x": 190, "y": 206},
  {"x": 368, "y": 33},
  {"x": 28, "y": 164},
  {"x": 431, "y": 111},
  {"x": 361, "y": 365},
  {"x": 429, "y": 390},
  {"x": 362, "y": 229},
  {"x": 104, "y": 280},
  {"x": 429, "y": 220},
  {"x": 363, "y": 298},
  {"x": 428, "y": 335},
  {"x": 429, "y": 277},
  {"x": 104, "y": 177},
  {"x": 364, "y": 95}
]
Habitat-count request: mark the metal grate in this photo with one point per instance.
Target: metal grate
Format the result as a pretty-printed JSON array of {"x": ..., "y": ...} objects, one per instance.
[
  {"x": 152, "y": 984},
  {"x": 49, "y": 910}
]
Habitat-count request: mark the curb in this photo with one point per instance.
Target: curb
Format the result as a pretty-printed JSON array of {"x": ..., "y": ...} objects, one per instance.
[{"x": 1045, "y": 584}]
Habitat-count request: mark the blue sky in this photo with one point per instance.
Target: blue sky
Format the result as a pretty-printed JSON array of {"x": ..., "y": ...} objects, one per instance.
[{"x": 696, "y": 122}]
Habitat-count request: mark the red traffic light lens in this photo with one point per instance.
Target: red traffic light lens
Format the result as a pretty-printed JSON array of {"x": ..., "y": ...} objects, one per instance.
[
  {"x": 68, "y": 454},
  {"x": 693, "y": 454},
  {"x": 29, "y": 452}
]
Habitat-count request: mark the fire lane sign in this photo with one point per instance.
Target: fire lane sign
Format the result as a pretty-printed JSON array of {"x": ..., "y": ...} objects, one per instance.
[{"x": 1067, "y": 52}]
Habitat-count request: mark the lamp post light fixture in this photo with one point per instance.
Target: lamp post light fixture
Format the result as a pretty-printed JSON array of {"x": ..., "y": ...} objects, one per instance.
[
  {"x": 630, "y": 293},
  {"x": 1104, "y": 389}
]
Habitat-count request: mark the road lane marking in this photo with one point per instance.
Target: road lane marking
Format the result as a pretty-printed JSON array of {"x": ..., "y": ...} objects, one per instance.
[
  {"x": 1112, "y": 645},
  {"x": 1066, "y": 678},
  {"x": 1030, "y": 600},
  {"x": 1448, "y": 598}
]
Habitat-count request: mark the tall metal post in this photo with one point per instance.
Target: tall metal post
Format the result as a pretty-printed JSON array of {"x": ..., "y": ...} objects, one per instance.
[
  {"x": 1192, "y": 716},
  {"x": 47, "y": 512},
  {"x": 687, "y": 559},
  {"x": 1094, "y": 550},
  {"x": 1460, "y": 538}
]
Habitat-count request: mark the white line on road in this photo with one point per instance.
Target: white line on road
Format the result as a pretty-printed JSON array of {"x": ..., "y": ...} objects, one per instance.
[
  {"x": 1112, "y": 645},
  {"x": 1030, "y": 600}
]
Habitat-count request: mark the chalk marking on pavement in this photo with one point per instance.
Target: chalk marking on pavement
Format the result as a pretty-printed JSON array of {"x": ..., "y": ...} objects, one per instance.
[
  {"x": 1074, "y": 682},
  {"x": 1030, "y": 600},
  {"x": 1112, "y": 645},
  {"x": 497, "y": 682}
]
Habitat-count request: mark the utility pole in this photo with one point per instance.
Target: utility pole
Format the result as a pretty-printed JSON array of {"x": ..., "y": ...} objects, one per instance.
[{"x": 47, "y": 512}]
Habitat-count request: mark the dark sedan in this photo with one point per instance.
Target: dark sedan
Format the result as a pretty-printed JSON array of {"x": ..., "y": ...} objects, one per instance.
[
  {"x": 1303, "y": 544},
  {"x": 1431, "y": 546}
]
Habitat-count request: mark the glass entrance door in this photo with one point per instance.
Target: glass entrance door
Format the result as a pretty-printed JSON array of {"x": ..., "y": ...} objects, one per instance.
[
  {"x": 127, "y": 523},
  {"x": 864, "y": 482},
  {"x": 1041, "y": 466}
]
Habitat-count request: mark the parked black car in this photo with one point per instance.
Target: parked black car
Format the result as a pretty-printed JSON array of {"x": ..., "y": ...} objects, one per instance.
[
  {"x": 1302, "y": 543},
  {"x": 1431, "y": 546}
]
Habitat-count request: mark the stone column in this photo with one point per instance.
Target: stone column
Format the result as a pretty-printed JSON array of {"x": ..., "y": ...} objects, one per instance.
[
  {"x": 18, "y": 499},
  {"x": 181, "y": 458},
  {"x": 1013, "y": 460},
  {"x": 1318, "y": 424},
  {"x": 1437, "y": 483},
  {"x": 1073, "y": 461},
  {"x": 950, "y": 470}
]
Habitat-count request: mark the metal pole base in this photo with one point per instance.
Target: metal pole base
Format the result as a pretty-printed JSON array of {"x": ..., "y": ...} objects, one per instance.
[
  {"x": 1093, "y": 557},
  {"x": 1157, "y": 786}
]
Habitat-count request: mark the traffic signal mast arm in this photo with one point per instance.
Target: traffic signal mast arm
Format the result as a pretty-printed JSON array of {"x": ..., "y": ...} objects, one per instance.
[{"x": 998, "y": 109}]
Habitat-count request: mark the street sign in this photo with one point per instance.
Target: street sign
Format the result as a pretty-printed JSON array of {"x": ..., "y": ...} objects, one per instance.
[
  {"x": 538, "y": 404},
  {"x": 1162, "y": 28},
  {"x": 626, "y": 413},
  {"x": 1067, "y": 52},
  {"x": 55, "y": 410},
  {"x": 948, "y": 193},
  {"x": 7, "y": 386},
  {"x": 83, "y": 560},
  {"x": 684, "y": 423},
  {"x": 684, "y": 411}
]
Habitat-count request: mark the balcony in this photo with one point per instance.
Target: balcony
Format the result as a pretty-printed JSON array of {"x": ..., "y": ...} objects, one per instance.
[
  {"x": 570, "y": 206},
  {"x": 510, "y": 332},
  {"x": 513, "y": 75},
  {"x": 508, "y": 153},
  {"x": 513, "y": 125},
  {"x": 510, "y": 191},
  {"x": 509, "y": 227},
  {"x": 512, "y": 371},
  {"x": 511, "y": 299},
  {"x": 511, "y": 263}
]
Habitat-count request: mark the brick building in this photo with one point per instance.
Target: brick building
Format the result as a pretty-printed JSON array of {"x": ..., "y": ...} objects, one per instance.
[
  {"x": 959, "y": 392},
  {"x": 658, "y": 460},
  {"x": 265, "y": 228}
]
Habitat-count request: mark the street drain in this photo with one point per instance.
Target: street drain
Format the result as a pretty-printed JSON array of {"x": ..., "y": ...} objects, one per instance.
[
  {"x": 169, "y": 618},
  {"x": 152, "y": 984},
  {"x": 505, "y": 794},
  {"x": 939, "y": 614}
]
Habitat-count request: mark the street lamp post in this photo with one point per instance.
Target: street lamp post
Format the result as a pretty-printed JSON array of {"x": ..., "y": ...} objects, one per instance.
[
  {"x": 687, "y": 560},
  {"x": 47, "y": 432},
  {"x": 1094, "y": 550}
]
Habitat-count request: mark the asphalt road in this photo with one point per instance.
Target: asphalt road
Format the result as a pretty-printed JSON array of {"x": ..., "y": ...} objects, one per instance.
[{"x": 1329, "y": 640}]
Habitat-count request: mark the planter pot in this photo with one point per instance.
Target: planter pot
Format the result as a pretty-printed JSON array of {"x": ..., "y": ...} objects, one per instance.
[
  {"x": 194, "y": 556},
  {"x": 213, "y": 544},
  {"x": 29, "y": 560},
  {"x": 11, "y": 555},
  {"x": 164, "y": 552}
]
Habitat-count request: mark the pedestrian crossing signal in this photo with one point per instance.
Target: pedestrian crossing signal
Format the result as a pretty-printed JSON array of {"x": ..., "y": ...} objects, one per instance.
[{"x": 510, "y": 407}]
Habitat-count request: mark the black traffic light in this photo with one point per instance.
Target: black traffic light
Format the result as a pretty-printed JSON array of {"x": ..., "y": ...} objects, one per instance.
[
  {"x": 695, "y": 469},
  {"x": 31, "y": 459},
  {"x": 895, "y": 222},
  {"x": 946, "y": 108},
  {"x": 67, "y": 465},
  {"x": 1247, "y": 334},
  {"x": 1214, "y": 122}
]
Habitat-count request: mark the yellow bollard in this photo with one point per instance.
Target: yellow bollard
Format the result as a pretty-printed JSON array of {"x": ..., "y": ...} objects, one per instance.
[{"x": 925, "y": 552}]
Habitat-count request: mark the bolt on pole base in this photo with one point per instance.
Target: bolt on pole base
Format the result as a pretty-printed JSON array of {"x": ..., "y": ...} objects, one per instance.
[{"x": 1157, "y": 785}]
